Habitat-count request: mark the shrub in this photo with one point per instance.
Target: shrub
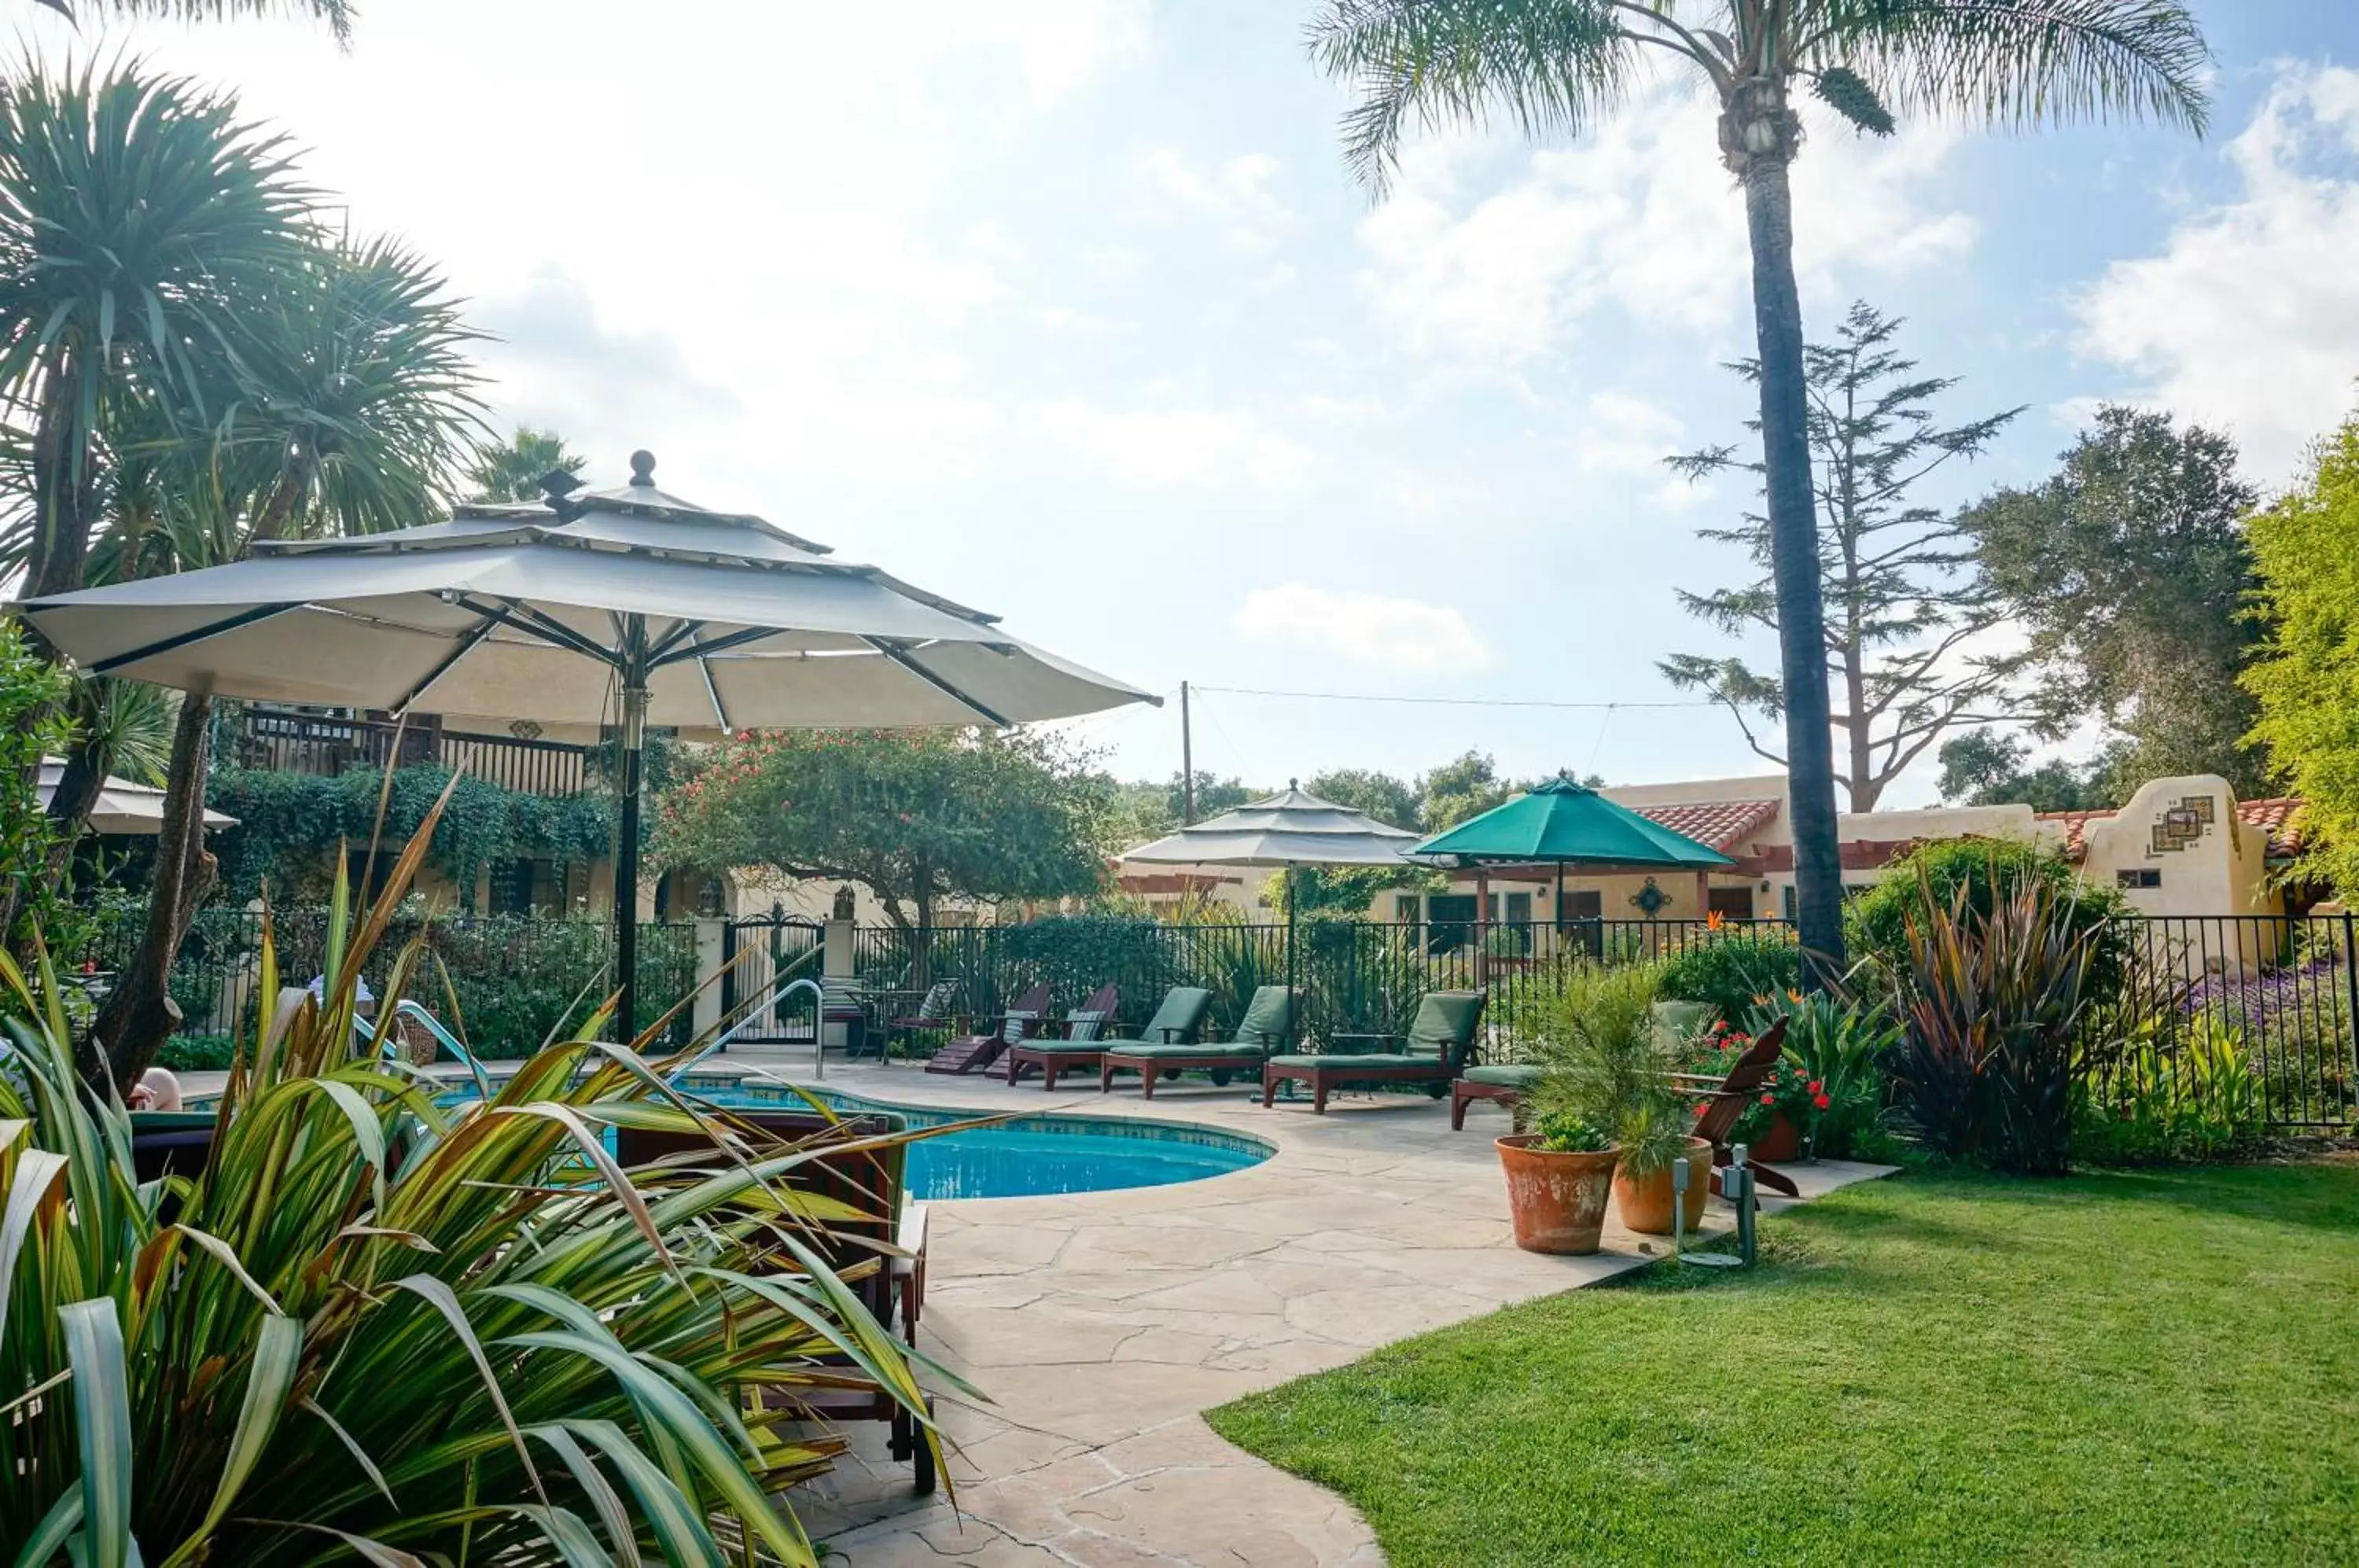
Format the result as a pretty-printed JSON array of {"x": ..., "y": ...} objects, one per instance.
[
  {"x": 1995, "y": 988},
  {"x": 2193, "y": 1098},
  {"x": 1606, "y": 1064},
  {"x": 1925, "y": 881},
  {"x": 1561, "y": 1132},
  {"x": 1830, "y": 1079},
  {"x": 1732, "y": 974},
  {"x": 197, "y": 1052},
  {"x": 370, "y": 1327}
]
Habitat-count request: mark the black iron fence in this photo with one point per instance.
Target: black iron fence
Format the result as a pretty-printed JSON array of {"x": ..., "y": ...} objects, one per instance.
[
  {"x": 2269, "y": 1004},
  {"x": 508, "y": 980}
]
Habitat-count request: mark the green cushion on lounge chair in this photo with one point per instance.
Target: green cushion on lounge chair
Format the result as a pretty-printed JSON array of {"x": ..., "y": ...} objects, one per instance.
[
  {"x": 1365, "y": 1061},
  {"x": 1505, "y": 1076},
  {"x": 1182, "y": 1014},
  {"x": 1151, "y": 1052},
  {"x": 1445, "y": 1021},
  {"x": 1265, "y": 1019}
]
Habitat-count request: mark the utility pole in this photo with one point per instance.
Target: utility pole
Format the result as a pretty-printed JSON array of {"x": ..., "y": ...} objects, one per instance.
[{"x": 1187, "y": 764}]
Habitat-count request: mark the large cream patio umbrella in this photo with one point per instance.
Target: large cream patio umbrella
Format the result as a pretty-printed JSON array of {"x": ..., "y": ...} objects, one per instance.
[
  {"x": 1288, "y": 828},
  {"x": 626, "y": 606},
  {"x": 123, "y": 808}
]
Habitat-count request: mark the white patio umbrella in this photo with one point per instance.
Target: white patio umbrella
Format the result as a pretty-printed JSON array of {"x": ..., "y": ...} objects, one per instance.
[
  {"x": 628, "y": 606},
  {"x": 1287, "y": 829},
  {"x": 123, "y": 807}
]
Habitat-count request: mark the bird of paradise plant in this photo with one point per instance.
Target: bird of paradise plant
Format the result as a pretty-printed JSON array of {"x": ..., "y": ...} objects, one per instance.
[{"x": 376, "y": 1327}]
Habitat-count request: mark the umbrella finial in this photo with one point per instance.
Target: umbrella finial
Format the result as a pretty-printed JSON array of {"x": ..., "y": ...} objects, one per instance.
[{"x": 643, "y": 468}]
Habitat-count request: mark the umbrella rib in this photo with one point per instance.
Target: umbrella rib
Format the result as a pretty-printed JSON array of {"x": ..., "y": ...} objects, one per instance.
[
  {"x": 183, "y": 639},
  {"x": 718, "y": 645},
  {"x": 901, "y": 657},
  {"x": 682, "y": 631},
  {"x": 466, "y": 645},
  {"x": 711, "y": 689},
  {"x": 534, "y": 624}
]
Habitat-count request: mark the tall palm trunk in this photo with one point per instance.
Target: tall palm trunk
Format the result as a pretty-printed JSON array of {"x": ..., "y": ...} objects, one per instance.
[{"x": 1759, "y": 134}]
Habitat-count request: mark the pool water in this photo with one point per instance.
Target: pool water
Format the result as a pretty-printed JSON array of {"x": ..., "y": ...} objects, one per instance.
[{"x": 1034, "y": 1156}]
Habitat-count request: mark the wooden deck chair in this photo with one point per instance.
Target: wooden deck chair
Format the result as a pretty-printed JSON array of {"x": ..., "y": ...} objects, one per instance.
[
  {"x": 973, "y": 1053},
  {"x": 1724, "y": 1098}
]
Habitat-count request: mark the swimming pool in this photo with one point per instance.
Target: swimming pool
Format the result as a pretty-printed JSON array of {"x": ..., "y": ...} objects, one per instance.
[{"x": 1038, "y": 1156}]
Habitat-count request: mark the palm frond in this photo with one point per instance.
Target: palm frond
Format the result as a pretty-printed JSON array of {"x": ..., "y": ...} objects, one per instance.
[
  {"x": 337, "y": 14},
  {"x": 2021, "y": 62},
  {"x": 1550, "y": 67}
]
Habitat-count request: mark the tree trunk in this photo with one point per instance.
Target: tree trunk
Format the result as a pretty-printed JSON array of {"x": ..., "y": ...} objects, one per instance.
[
  {"x": 921, "y": 942},
  {"x": 141, "y": 1015},
  {"x": 1759, "y": 134}
]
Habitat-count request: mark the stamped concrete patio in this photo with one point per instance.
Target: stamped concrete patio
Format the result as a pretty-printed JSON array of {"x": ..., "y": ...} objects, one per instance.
[{"x": 1101, "y": 1324}]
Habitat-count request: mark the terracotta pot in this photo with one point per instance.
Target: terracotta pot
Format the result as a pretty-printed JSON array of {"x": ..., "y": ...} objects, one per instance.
[
  {"x": 1558, "y": 1199},
  {"x": 1781, "y": 1142},
  {"x": 1644, "y": 1202}
]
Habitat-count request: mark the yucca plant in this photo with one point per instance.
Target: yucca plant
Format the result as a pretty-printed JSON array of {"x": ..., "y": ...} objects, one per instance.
[
  {"x": 375, "y": 1327},
  {"x": 1993, "y": 996}
]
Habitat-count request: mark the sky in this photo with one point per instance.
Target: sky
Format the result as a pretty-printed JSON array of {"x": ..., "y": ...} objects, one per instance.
[{"x": 1069, "y": 310}]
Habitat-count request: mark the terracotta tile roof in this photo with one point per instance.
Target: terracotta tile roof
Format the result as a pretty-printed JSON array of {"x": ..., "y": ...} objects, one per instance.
[
  {"x": 2273, "y": 816},
  {"x": 1723, "y": 824}
]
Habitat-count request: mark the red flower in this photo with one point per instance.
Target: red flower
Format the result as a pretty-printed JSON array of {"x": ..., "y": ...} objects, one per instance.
[
  {"x": 1702, "y": 1105},
  {"x": 1772, "y": 1079},
  {"x": 1823, "y": 1102},
  {"x": 1814, "y": 1085},
  {"x": 1768, "y": 1099}
]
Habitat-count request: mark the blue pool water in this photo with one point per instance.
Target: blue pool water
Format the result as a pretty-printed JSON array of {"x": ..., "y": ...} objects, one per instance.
[{"x": 1037, "y": 1155}]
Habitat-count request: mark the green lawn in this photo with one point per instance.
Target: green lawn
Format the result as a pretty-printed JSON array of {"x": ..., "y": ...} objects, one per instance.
[{"x": 2129, "y": 1369}]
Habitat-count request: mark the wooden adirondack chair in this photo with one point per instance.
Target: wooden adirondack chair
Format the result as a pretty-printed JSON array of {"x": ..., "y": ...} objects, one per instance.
[
  {"x": 973, "y": 1053},
  {"x": 1724, "y": 1099}
]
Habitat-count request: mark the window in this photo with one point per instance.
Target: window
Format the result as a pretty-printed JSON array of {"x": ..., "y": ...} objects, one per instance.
[
  {"x": 1729, "y": 903},
  {"x": 1405, "y": 908},
  {"x": 511, "y": 888},
  {"x": 2138, "y": 876}
]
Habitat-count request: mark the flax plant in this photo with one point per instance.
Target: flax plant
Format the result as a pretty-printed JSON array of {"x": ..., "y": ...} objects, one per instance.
[{"x": 377, "y": 1327}]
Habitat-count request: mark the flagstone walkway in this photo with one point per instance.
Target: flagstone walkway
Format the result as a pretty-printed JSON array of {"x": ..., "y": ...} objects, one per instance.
[{"x": 1101, "y": 1324}]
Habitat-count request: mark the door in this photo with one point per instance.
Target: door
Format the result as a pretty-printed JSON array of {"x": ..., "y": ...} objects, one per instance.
[
  {"x": 1580, "y": 918},
  {"x": 1453, "y": 917}
]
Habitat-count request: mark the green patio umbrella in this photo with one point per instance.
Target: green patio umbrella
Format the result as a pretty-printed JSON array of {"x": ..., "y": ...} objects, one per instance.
[{"x": 1565, "y": 824}]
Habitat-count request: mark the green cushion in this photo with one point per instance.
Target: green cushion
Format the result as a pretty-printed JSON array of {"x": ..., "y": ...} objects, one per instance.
[
  {"x": 1152, "y": 1053},
  {"x": 1444, "y": 1020},
  {"x": 1265, "y": 1017},
  {"x": 1374, "y": 1061},
  {"x": 1506, "y": 1075},
  {"x": 1064, "y": 1047},
  {"x": 1182, "y": 1014}
]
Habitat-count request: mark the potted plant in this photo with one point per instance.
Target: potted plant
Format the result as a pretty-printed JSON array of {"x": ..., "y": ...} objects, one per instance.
[
  {"x": 1559, "y": 1176},
  {"x": 1606, "y": 1066},
  {"x": 1826, "y": 1097}
]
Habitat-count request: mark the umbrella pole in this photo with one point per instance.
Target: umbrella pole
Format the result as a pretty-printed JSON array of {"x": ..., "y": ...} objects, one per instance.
[
  {"x": 1293, "y": 894},
  {"x": 626, "y": 851}
]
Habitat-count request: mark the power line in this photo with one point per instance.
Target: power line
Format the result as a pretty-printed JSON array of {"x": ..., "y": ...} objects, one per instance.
[{"x": 1447, "y": 702}]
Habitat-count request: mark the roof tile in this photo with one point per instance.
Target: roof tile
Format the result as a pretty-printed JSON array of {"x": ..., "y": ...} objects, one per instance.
[
  {"x": 2274, "y": 816},
  {"x": 1723, "y": 824}
]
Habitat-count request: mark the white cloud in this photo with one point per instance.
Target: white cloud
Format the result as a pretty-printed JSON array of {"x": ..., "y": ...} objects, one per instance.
[
  {"x": 1618, "y": 434},
  {"x": 1207, "y": 448},
  {"x": 1640, "y": 216},
  {"x": 1234, "y": 195},
  {"x": 2249, "y": 316},
  {"x": 1402, "y": 636}
]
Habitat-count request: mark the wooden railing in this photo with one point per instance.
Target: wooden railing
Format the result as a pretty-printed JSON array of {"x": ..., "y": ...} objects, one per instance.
[{"x": 317, "y": 744}]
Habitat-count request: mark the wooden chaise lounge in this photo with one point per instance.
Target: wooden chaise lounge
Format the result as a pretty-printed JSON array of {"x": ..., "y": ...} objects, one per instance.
[
  {"x": 884, "y": 1253},
  {"x": 974, "y": 1053},
  {"x": 1074, "y": 1048},
  {"x": 1432, "y": 1053},
  {"x": 1261, "y": 1031}
]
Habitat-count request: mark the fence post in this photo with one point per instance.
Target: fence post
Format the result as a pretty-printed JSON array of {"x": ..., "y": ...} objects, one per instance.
[
  {"x": 711, "y": 952},
  {"x": 2350, "y": 986}
]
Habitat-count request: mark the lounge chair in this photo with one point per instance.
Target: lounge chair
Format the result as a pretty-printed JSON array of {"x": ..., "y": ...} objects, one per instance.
[
  {"x": 1508, "y": 1082},
  {"x": 1262, "y": 1031},
  {"x": 973, "y": 1053},
  {"x": 1724, "y": 1099},
  {"x": 1074, "y": 1048},
  {"x": 1438, "y": 1040},
  {"x": 885, "y": 1252}
]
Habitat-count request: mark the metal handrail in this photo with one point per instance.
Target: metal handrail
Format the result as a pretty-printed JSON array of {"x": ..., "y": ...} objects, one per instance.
[{"x": 771, "y": 999}]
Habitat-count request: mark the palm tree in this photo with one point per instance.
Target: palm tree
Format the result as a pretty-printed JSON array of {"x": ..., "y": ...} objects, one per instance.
[
  {"x": 1553, "y": 67},
  {"x": 513, "y": 471},
  {"x": 347, "y": 408}
]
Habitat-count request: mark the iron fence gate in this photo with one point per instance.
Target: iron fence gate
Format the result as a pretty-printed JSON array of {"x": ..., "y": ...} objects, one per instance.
[{"x": 759, "y": 955}]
